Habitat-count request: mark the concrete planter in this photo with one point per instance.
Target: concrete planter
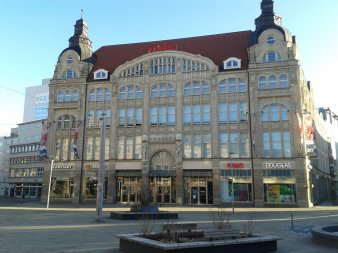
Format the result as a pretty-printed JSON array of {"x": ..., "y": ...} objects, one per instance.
[{"x": 131, "y": 243}]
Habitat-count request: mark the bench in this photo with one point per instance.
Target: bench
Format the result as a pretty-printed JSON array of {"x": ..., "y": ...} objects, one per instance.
[
  {"x": 179, "y": 226},
  {"x": 221, "y": 234}
]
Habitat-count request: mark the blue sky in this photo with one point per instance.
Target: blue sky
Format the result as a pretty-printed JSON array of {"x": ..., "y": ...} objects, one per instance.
[{"x": 34, "y": 32}]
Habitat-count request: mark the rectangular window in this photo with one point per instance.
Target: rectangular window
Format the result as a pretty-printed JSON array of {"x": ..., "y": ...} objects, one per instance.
[
  {"x": 138, "y": 147},
  {"x": 206, "y": 146},
  {"x": 196, "y": 114},
  {"x": 266, "y": 144},
  {"x": 153, "y": 116},
  {"x": 233, "y": 144},
  {"x": 244, "y": 146},
  {"x": 65, "y": 149},
  {"x": 276, "y": 144},
  {"x": 129, "y": 147},
  {"x": 122, "y": 117},
  {"x": 120, "y": 148},
  {"x": 162, "y": 115},
  {"x": 232, "y": 85},
  {"x": 97, "y": 148},
  {"x": 98, "y": 120},
  {"x": 222, "y": 113},
  {"x": 138, "y": 116},
  {"x": 187, "y": 114},
  {"x": 224, "y": 145},
  {"x": 243, "y": 112},
  {"x": 171, "y": 116},
  {"x": 130, "y": 117},
  {"x": 187, "y": 146},
  {"x": 286, "y": 144},
  {"x": 233, "y": 112},
  {"x": 206, "y": 114},
  {"x": 197, "y": 146}
]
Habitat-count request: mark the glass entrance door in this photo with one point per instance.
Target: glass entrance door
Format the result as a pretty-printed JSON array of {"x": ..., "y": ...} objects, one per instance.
[
  {"x": 128, "y": 189},
  {"x": 198, "y": 190},
  {"x": 163, "y": 189}
]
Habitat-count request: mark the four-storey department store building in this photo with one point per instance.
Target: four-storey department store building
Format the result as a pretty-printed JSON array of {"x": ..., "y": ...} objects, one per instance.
[{"x": 201, "y": 120}]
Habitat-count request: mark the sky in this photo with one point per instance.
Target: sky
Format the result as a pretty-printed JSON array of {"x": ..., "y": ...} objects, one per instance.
[{"x": 34, "y": 33}]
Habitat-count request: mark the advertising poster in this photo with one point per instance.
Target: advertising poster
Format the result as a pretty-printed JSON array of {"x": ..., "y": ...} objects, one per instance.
[{"x": 274, "y": 193}]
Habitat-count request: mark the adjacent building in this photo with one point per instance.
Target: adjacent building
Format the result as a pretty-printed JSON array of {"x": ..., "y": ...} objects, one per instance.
[
  {"x": 25, "y": 173},
  {"x": 36, "y": 102},
  {"x": 212, "y": 120}
]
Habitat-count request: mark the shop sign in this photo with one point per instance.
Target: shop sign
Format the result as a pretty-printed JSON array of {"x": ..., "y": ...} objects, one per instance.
[
  {"x": 235, "y": 165},
  {"x": 62, "y": 166},
  {"x": 279, "y": 165}
]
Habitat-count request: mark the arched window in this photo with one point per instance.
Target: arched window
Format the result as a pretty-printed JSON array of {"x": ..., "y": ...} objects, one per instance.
[
  {"x": 275, "y": 112},
  {"x": 68, "y": 96},
  {"x": 271, "y": 56},
  {"x": 68, "y": 74},
  {"x": 75, "y": 95},
  {"x": 60, "y": 96}
]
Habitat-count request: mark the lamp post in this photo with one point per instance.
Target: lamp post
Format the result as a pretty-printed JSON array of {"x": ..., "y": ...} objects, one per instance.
[
  {"x": 100, "y": 182},
  {"x": 232, "y": 184},
  {"x": 50, "y": 179}
]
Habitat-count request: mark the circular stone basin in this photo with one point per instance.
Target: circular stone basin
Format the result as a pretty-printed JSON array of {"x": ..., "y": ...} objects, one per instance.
[{"x": 325, "y": 235}]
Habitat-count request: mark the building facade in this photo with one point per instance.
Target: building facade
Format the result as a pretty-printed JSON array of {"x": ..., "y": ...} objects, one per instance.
[
  {"x": 25, "y": 173},
  {"x": 36, "y": 102},
  {"x": 217, "y": 119}
]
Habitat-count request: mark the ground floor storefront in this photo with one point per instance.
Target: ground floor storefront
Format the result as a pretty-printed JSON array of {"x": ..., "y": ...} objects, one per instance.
[{"x": 223, "y": 182}]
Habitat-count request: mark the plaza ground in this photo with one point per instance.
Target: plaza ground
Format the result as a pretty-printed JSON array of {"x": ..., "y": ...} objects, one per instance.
[{"x": 27, "y": 226}]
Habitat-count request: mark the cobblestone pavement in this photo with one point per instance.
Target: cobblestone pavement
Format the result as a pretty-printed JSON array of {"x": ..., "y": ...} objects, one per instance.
[{"x": 27, "y": 226}]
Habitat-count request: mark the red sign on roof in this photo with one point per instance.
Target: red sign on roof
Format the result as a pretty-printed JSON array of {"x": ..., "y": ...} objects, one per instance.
[{"x": 162, "y": 47}]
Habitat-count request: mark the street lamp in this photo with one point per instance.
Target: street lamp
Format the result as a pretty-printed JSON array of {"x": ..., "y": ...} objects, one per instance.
[
  {"x": 232, "y": 184},
  {"x": 50, "y": 178},
  {"x": 100, "y": 182}
]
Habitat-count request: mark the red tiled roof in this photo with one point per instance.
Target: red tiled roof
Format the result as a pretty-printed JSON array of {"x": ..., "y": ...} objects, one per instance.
[{"x": 218, "y": 48}]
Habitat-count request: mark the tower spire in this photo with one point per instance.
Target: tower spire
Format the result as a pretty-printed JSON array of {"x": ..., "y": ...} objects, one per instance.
[{"x": 268, "y": 16}]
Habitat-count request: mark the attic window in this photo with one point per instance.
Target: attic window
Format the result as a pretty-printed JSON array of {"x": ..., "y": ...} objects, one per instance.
[
  {"x": 70, "y": 60},
  {"x": 100, "y": 74},
  {"x": 232, "y": 63}
]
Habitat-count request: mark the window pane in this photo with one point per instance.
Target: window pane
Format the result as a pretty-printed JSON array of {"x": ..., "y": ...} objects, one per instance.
[
  {"x": 197, "y": 146},
  {"x": 187, "y": 114},
  {"x": 122, "y": 94},
  {"x": 233, "y": 112},
  {"x": 271, "y": 56},
  {"x": 187, "y": 146},
  {"x": 287, "y": 144},
  {"x": 153, "y": 93},
  {"x": 92, "y": 95},
  {"x": 272, "y": 82},
  {"x": 129, "y": 148},
  {"x": 196, "y": 88},
  {"x": 283, "y": 81},
  {"x": 163, "y": 115},
  {"x": 130, "y": 117},
  {"x": 139, "y": 93},
  {"x": 206, "y": 114},
  {"x": 68, "y": 96},
  {"x": 224, "y": 145},
  {"x": 222, "y": 113},
  {"x": 205, "y": 88},
  {"x": 171, "y": 91},
  {"x": 196, "y": 114},
  {"x": 107, "y": 94},
  {"x": 233, "y": 148},
  {"x": 274, "y": 112},
  {"x": 232, "y": 85},
  {"x": 75, "y": 95},
  {"x": 120, "y": 148},
  {"x": 171, "y": 115},
  {"x": 242, "y": 86},
  {"x": 266, "y": 144},
  {"x": 163, "y": 90},
  {"x": 138, "y": 147},
  {"x": 262, "y": 82},
  {"x": 122, "y": 117},
  {"x": 89, "y": 148},
  {"x": 276, "y": 144},
  {"x": 99, "y": 94},
  {"x": 138, "y": 116},
  {"x": 222, "y": 87},
  {"x": 186, "y": 90},
  {"x": 60, "y": 96},
  {"x": 130, "y": 92},
  {"x": 153, "y": 116},
  {"x": 243, "y": 111}
]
